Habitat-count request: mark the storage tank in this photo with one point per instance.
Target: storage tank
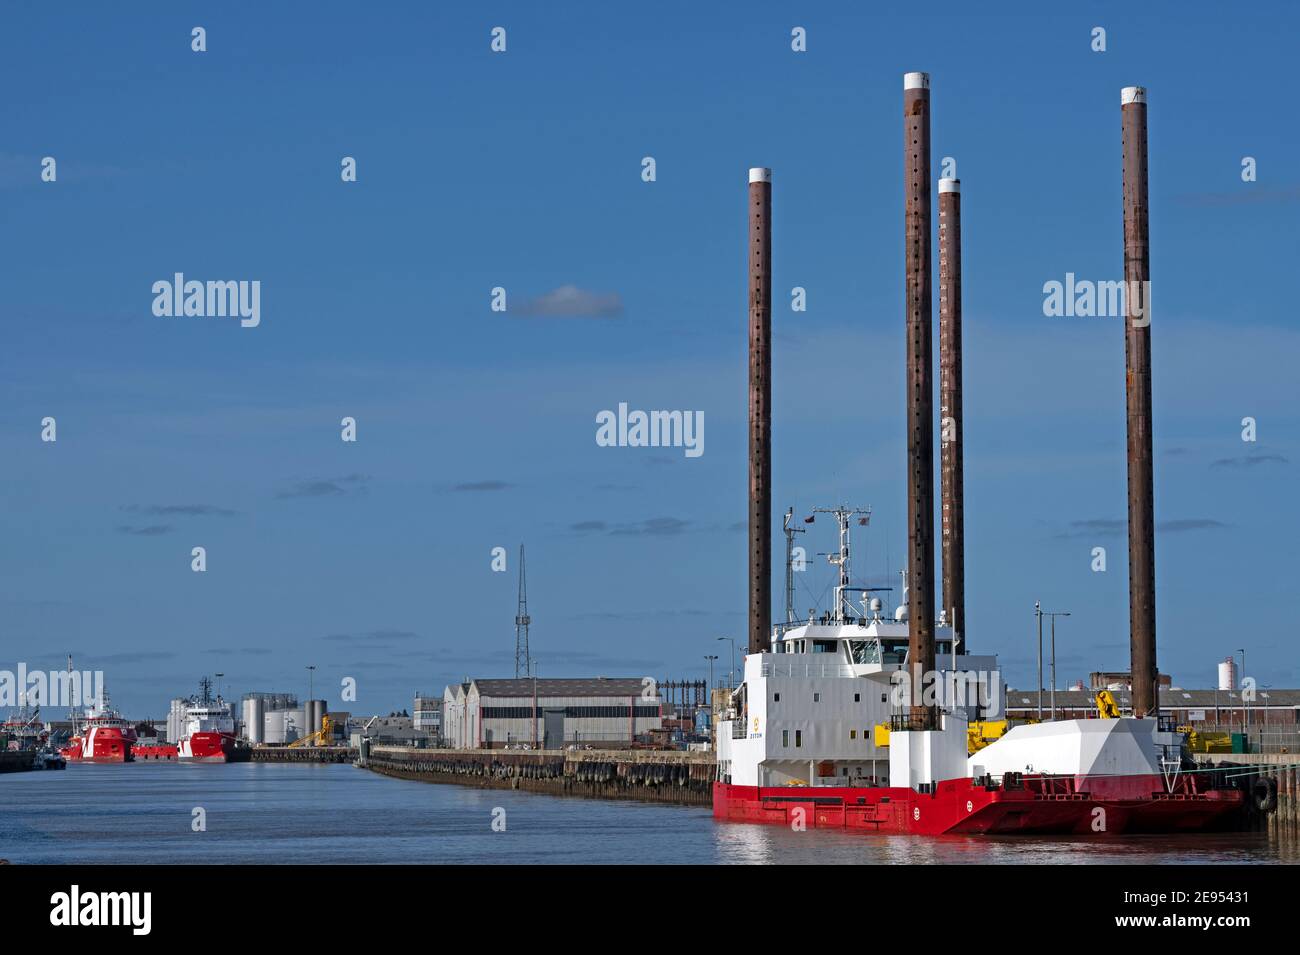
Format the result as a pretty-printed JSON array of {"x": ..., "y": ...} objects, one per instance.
[
  {"x": 282, "y": 726},
  {"x": 176, "y": 720},
  {"x": 255, "y": 720},
  {"x": 1228, "y": 674},
  {"x": 295, "y": 722},
  {"x": 273, "y": 727}
]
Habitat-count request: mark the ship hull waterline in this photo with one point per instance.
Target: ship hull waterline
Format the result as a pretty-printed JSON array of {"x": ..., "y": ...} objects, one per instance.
[{"x": 960, "y": 807}]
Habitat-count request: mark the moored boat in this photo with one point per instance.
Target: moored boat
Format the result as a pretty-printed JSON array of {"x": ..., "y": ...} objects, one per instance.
[
  {"x": 100, "y": 736},
  {"x": 209, "y": 732}
]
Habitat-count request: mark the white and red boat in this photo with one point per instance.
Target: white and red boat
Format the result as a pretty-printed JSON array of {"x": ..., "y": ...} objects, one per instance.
[
  {"x": 209, "y": 732},
  {"x": 818, "y": 737},
  {"x": 101, "y": 736}
]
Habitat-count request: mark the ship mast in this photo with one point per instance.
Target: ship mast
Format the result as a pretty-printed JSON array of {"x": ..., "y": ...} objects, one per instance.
[
  {"x": 843, "y": 516},
  {"x": 790, "y": 531},
  {"x": 72, "y": 706}
]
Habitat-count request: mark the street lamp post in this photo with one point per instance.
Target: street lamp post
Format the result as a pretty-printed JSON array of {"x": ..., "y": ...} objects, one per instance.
[
  {"x": 1038, "y": 612},
  {"x": 731, "y": 674},
  {"x": 711, "y": 658},
  {"x": 1245, "y": 713},
  {"x": 1054, "y": 614}
]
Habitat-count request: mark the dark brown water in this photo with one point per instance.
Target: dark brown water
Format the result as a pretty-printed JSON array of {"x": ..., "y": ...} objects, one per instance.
[{"x": 266, "y": 813}]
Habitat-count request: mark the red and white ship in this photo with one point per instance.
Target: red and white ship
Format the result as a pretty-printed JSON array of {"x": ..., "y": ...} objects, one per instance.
[
  {"x": 101, "y": 736},
  {"x": 854, "y": 721},
  {"x": 209, "y": 732},
  {"x": 818, "y": 737},
  {"x": 821, "y": 734}
]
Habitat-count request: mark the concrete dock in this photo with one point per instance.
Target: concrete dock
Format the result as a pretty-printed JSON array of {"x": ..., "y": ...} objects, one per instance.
[
  {"x": 684, "y": 779},
  {"x": 1271, "y": 782},
  {"x": 304, "y": 754}
]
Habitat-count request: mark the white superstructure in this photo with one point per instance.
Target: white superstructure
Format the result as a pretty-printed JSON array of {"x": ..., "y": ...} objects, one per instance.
[{"x": 806, "y": 713}]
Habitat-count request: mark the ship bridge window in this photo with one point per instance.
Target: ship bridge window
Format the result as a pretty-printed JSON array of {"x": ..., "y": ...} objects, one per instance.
[
  {"x": 864, "y": 651},
  {"x": 825, "y": 646}
]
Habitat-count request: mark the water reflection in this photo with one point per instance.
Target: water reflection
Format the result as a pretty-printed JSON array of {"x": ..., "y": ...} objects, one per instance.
[{"x": 741, "y": 843}]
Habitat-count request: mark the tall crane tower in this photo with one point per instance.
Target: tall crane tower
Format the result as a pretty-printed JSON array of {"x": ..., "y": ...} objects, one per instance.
[{"x": 523, "y": 662}]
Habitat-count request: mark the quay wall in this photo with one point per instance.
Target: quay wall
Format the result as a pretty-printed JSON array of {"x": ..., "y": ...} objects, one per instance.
[
  {"x": 304, "y": 754},
  {"x": 684, "y": 779},
  {"x": 1271, "y": 782}
]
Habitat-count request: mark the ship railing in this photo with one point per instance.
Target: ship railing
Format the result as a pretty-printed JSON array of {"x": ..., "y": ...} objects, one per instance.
[{"x": 785, "y": 668}]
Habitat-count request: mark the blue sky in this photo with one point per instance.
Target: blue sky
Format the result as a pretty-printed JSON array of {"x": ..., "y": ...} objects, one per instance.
[{"x": 476, "y": 429}]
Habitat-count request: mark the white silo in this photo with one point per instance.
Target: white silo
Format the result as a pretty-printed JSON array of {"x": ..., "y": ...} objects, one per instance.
[
  {"x": 314, "y": 712},
  {"x": 273, "y": 727},
  {"x": 1228, "y": 674},
  {"x": 294, "y": 721},
  {"x": 254, "y": 720},
  {"x": 176, "y": 720}
]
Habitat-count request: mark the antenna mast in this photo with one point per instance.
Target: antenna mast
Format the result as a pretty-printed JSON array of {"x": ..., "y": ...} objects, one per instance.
[
  {"x": 790, "y": 531},
  {"x": 72, "y": 713},
  {"x": 523, "y": 662},
  {"x": 843, "y": 515}
]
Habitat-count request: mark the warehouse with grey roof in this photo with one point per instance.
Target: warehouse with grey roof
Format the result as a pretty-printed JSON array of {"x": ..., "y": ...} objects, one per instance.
[{"x": 602, "y": 712}]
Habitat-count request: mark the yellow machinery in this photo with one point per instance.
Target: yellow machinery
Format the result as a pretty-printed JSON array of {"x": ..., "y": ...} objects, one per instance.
[
  {"x": 1107, "y": 708},
  {"x": 1199, "y": 742},
  {"x": 322, "y": 737},
  {"x": 980, "y": 734}
]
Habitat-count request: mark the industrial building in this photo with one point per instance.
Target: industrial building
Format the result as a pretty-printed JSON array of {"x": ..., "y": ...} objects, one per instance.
[
  {"x": 604, "y": 712},
  {"x": 1121, "y": 679},
  {"x": 427, "y": 715},
  {"x": 388, "y": 731}
]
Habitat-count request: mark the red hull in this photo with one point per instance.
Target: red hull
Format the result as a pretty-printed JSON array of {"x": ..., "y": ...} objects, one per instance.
[
  {"x": 212, "y": 748},
  {"x": 958, "y": 806},
  {"x": 154, "y": 751},
  {"x": 99, "y": 745}
]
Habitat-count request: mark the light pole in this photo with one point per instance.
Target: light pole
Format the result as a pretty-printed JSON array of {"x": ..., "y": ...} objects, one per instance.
[
  {"x": 1054, "y": 614},
  {"x": 1038, "y": 612},
  {"x": 711, "y": 658},
  {"x": 1245, "y": 713},
  {"x": 731, "y": 674},
  {"x": 311, "y": 685}
]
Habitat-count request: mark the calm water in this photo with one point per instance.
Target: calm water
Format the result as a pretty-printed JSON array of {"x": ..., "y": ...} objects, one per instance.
[{"x": 339, "y": 814}]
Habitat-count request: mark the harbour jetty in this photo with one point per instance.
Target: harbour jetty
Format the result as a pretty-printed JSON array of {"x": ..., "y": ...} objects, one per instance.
[
  {"x": 1271, "y": 782},
  {"x": 679, "y": 778},
  {"x": 303, "y": 754},
  {"x": 16, "y": 761}
]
